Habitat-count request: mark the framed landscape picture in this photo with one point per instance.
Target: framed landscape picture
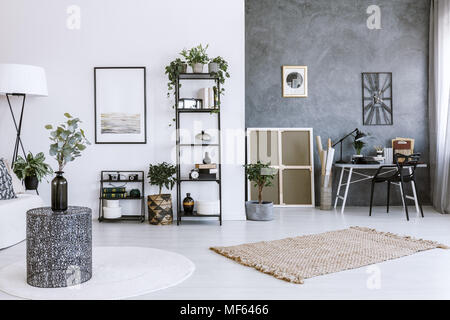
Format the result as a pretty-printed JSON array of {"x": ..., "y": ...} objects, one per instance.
[
  {"x": 377, "y": 99},
  {"x": 295, "y": 82},
  {"x": 120, "y": 105}
]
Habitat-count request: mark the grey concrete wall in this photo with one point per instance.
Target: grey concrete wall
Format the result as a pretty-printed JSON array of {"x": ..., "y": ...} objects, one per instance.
[{"x": 331, "y": 38}]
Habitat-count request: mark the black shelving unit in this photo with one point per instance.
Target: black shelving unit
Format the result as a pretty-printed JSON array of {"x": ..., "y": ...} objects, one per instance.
[
  {"x": 214, "y": 112},
  {"x": 105, "y": 183}
]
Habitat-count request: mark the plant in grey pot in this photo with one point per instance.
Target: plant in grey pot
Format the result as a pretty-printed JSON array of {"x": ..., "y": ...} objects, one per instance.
[
  {"x": 32, "y": 169},
  {"x": 68, "y": 140},
  {"x": 261, "y": 175},
  {"x": 196, "y": 57},
  {"x": 160, "y": 205}
]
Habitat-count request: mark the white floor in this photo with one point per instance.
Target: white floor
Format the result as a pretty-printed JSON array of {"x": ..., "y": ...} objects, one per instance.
[{"x": 424, "y": 275}]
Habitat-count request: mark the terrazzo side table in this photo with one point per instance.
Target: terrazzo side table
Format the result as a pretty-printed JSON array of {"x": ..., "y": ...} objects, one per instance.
[{"x": 59, "y": 247}]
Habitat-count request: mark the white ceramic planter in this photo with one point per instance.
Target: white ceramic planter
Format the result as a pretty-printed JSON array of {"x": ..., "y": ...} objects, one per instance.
[{"x": 197, "y": 68}]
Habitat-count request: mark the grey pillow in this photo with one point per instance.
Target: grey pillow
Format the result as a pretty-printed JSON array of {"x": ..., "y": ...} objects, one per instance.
[{"x": 6, "y": 186}]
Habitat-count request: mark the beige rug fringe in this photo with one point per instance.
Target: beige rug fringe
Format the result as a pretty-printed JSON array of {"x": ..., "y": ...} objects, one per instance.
[
  {"x": 265, "y": 269},
  {"x": 396, "y": 236}
]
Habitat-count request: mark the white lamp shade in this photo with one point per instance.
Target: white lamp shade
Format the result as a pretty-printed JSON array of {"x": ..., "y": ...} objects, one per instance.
[{"x": 22, "y": 79}]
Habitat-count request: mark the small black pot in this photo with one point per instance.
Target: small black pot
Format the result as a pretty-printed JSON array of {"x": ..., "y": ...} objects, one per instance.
[
  {"x": 31, "y": 183},
  {"x": 59, "y": 192}
]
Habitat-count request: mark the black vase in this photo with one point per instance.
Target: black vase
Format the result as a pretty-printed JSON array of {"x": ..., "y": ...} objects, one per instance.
[
  {"x": 31, "y": 183},
  {"x": 59, "y": 192},
  {"x": 188, "y": 205}
]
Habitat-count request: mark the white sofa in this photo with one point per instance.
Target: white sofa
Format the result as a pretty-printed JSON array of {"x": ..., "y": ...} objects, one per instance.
[{"x": 13, "y": 218}]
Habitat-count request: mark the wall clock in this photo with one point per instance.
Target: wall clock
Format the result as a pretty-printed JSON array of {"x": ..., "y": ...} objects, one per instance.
[{"x": 377, "y": 98}]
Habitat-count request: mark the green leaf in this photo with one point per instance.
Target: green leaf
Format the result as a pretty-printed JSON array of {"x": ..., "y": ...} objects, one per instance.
[
  {"x": 49, "y": 127},
  {"x": 67, "y": 115}
]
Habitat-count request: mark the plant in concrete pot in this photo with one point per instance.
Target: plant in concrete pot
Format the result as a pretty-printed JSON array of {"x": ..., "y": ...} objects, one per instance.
[
  {"x": 32, "y": 169},
  {"x": 261, "y": 175},
  {"x": 68, "y": 141},
  {"x": 196, "y": 57},
  {"x": 160, "y": 205}
]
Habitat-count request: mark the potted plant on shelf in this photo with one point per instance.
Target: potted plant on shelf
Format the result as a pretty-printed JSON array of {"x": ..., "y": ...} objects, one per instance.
[
  {"x": 176, "y": 67},
  {"x": 68, "y": 141},
  {"x": 160, "y": 205},
  {"x": 196, "y": 57},
  {"x": 32, "y": 169},
  {"x": 261, "y": 175}
]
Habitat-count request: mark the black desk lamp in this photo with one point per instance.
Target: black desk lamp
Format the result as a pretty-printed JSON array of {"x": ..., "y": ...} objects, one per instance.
[{"x": 342, "y": 140}]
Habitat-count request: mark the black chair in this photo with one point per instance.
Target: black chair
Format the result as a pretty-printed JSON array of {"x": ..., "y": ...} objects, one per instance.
[{"x": 400, "y": 177}]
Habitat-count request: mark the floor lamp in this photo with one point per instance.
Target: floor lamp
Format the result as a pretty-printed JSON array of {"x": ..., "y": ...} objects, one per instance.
[{"x": 21, "y": 80}]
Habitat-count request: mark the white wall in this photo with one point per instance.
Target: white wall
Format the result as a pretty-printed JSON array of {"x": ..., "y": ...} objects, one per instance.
[{"x": 120, "y": 33}]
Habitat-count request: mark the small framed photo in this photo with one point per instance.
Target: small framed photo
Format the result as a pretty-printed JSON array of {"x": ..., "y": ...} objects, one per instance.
[{"x": 295, "y": 82}]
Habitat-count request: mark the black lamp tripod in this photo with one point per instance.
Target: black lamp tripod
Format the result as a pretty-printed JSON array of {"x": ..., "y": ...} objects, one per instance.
[
  {"x": 342, "y": 140},
  {"x": 18, "y": 126}
]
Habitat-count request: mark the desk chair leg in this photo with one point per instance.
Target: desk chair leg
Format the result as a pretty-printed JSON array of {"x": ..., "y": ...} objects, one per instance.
[
  {"x": 402, "y": 189},
  {"x": 388, "y": 195},
  {"x": 417, "y": 198},
  {"x": 371, "y": 198}
]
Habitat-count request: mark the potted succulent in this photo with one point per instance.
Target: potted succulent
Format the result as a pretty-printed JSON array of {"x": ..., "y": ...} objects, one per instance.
[
  {"x": 261, "y": 175},
  {"x": 32, "y": 169},
  {"x": 160, "y": 205},
  {"x": 196, "y": 57},
  {"x": 68, "y": 141}
]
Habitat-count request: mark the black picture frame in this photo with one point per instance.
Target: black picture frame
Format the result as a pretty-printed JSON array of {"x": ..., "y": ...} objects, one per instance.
[
  {"x": 96, "y": 105},
  {"x": 377, "y": 99}
]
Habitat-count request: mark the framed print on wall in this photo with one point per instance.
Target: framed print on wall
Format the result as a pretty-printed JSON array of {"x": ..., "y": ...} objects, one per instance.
[
  {"x": 377, "y": 98},
  {"x": 120, "y": 105},
  {"x": 295, "y": 82}
]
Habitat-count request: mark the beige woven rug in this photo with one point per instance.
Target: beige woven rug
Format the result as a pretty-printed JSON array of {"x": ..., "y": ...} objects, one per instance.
[{"x": 296, "y": 259}]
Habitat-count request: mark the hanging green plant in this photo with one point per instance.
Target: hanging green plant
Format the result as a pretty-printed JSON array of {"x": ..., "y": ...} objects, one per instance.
[
  {"x": 173, "y": 70},
  {"x": 219, "y": 68}
]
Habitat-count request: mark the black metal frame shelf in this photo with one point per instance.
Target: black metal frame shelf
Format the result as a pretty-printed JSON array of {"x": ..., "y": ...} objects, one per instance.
[
  {"x": 213, "y": 112},
  {"x": 141, "y": 180}
]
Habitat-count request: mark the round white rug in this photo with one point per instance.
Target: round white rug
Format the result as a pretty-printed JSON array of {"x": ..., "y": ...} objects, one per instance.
[{"x": 118, "y": 273}]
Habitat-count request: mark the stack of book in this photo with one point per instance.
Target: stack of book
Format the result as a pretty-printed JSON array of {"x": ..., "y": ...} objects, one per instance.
[
  {"x": 207, "y": 171},
  {"x": 114, "y": 193}
]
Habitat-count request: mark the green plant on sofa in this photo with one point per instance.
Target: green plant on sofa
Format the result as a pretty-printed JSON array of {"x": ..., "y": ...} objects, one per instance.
[
  {"x": 261, "y": 175},
  {"x": 32, "y": 166},
  {"x": 68, "y": 141},
  {"x": 162, "y": 175}
]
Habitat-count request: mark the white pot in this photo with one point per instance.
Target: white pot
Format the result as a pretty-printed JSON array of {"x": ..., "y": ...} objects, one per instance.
[
  {"x": 112, "y": 213},
  {"x": 112, "y": 203},
  {"x": 197, "y": 68},
  {"x": 205, "y": 208}
]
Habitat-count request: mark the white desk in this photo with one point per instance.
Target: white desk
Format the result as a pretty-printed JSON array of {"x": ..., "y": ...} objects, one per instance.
[{"x": 356, "y": 168}]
